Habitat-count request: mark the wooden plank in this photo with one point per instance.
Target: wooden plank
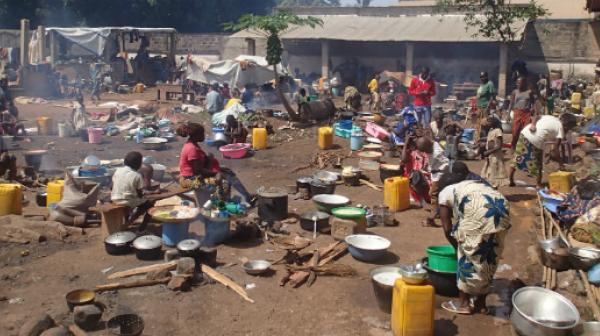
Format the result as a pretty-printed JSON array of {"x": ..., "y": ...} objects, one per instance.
[
  {"x": 133, "y": 284},
  {"x": 225, "y": 281},
  {"x": 144, "y": 269}
]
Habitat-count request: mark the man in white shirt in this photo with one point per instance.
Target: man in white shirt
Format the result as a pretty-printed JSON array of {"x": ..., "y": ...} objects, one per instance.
[
  {"x": 529, "y": 151},
  {"x": 128, "y": 187}
]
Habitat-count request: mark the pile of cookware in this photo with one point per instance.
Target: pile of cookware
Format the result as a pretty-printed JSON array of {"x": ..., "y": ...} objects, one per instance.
[
  {"x": 148, "y": 247},
  {"x": 322, "y": 182}
]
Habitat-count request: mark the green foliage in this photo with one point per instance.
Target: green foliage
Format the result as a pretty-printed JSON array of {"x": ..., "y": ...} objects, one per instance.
[
  {"x": 308, "y": 3},
  {"x": 272, "y": 26},
  {"x": 184, "y": 15},
  {"x": 494, "y": 19}
]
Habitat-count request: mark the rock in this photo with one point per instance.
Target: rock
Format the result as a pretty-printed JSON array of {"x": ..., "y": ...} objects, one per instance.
[
  {"x": 56, "y": 331},
  {"x": 87, "y": 316},
  {"x": 208, "y": 256},
  {"x": 36, "y": 325},
  {"x": 171, "y": 254},
  {"x": 186, "y": 265},
  {"x": 179, "y": 283}
]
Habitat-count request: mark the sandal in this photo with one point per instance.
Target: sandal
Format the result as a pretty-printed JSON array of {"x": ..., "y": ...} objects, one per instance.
[{"x": 452, "y": 307}]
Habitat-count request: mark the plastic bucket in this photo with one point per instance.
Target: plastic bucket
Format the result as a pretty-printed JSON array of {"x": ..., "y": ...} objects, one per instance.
[
  {"x": 442, "y": 258},
  {"x": 95, "y": 135},
  {"x": 44, "y": 125},
  {"x": 172, "y": 234},
  {"x": 63, "y": 130},
  {"x": 356, "y": 142},
  {"x": 346, "y": 124},
  {"x": 216, "y": 230}
]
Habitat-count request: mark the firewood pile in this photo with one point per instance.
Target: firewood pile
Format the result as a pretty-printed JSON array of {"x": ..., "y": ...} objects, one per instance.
[{"x": 304, "y": 266}]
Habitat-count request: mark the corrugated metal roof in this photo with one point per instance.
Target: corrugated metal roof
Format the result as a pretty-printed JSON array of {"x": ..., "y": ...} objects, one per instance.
[{"x": 419, "y": 28}]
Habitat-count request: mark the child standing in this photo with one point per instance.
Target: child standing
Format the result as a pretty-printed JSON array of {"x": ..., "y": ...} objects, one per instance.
[{"x": 493, "y": 169}]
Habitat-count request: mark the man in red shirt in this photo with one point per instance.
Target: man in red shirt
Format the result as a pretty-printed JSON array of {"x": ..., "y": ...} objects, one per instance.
[{"x": 422, "y": 87}]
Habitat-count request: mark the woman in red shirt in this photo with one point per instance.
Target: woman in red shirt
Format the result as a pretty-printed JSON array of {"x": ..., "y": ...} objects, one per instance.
[{"x": 202, "y": 171}]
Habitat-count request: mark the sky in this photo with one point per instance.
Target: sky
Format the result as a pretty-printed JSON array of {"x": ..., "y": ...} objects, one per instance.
[{"x": 373, "y": 3}]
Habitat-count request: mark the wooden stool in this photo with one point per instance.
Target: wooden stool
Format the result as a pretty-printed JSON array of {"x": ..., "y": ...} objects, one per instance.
[{"x": 113, "y": 218}]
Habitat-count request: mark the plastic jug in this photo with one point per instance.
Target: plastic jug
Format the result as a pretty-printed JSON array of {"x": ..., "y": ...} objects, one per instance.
[
  {"x": 259, "y": 138},
  {"x": 325, "y": 138},
  {"x": 11, "y": 199},
  {"x": 396, "y": 193},
  {"x": 45, "y": 126},
  {"x": 589, "y": 112},
  {"x": 576, "y": 100},
  {"x": 561, "y": 181},
  {"x": 412, "y": 309},
  {"x": 54, "y": 192}
]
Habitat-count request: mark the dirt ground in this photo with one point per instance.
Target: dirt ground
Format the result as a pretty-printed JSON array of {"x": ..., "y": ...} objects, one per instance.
[{"x": 332, "y": 306}]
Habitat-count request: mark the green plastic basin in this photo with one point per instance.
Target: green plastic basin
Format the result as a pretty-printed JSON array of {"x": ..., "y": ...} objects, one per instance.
[{"x": 442, "y": 258}]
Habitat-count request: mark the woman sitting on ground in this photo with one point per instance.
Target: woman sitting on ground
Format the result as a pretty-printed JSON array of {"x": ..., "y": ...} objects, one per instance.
[
  {"x": 235, "y": 131},
  {"x": 482, "y": 219},
  {"x": 202, "y": 172}
]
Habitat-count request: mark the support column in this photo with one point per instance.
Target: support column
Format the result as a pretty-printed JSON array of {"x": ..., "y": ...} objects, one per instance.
[
  {"x": 41, "y": 42},
  {"x": 52, "y": 48},
  {"x": 502, "y": 70},
  {"x": 325, "y": 59},
  {"x": 410, "y": 58},
  {"x": 172, "y": 45},
  {"x": 24, "y": 42}
]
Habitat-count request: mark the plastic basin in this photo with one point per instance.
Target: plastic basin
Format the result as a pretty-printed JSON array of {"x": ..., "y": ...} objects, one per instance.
[
  {"x": 234, "y": 151},
  {"x": 442, "y": 258}
]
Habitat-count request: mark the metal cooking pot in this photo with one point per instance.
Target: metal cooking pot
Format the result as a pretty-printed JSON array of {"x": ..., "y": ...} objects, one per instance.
[
  {"x": 582, "y": 258},
  {"x": 273, "y": 204},
  {"x": 444, "y": 283},
  {"x": 189, "y": 248},
  {"x": 554, "y": 254},
  {"x": 119, "y": 243},
  {"x": 307, "y": 223},
  {"x": 321, "y": 187},
  {"x": 148, "y": 247},
  {"x": 541, "y": 312},
  {"x": 303, "y": 183}
]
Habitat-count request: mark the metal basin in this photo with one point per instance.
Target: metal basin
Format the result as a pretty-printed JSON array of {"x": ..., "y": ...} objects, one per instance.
[
  {"x": 326, "y": 202},
  {"x": 366, "y": 247},
  {"x": 256, "y": 267},
  {"x": 383, "y": 279},
  {"x": 582, "y": 258},
  {"x": 413, "y": 275},
  {"x": 588, "y": 329},
  {"x": 541, "y": 312},
  {"x": 322, "y": 219},
  {"x": 554, "y": 254}
]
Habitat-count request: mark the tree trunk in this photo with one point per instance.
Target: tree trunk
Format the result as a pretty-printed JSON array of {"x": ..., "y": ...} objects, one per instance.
[{"x": 294, "y": 116}]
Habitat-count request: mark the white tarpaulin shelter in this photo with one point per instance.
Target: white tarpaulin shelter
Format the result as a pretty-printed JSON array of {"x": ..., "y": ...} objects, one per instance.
[
  {"x": 94, "y": 39},
  {"x": 240, "y": 71}
]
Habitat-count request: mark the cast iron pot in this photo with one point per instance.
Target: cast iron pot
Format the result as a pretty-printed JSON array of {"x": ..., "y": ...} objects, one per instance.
[
  {"x": 386, "y": 171},
  {"x": 320, "y": 187},
  {"x": 119, "y": 243},
  {"x": 273, "y": 204},
  {"x": 148, "y": 247},
  {"x": 307, "y": 223},
  {"x": 444, "y": 283},
  {"x": 189, "y": 248},
  {"x": 303, "y": 183}
]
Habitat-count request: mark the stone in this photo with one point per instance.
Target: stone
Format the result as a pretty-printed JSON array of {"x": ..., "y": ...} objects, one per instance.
[
  {"x": 171, "y": 255},
  {"x": 36, "y": 325},
  {"x": 56, "y": 331},
  {"x": 186, "y": 265},
  {"x": 180, "y": 283},
  {"x": 87, "y": 317}
]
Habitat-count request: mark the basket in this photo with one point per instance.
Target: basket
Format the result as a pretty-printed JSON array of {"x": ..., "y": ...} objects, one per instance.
[{"x": 442, "y": 258}]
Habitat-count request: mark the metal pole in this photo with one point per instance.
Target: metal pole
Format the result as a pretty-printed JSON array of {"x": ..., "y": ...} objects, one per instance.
[{"x": 24, "y": 42}]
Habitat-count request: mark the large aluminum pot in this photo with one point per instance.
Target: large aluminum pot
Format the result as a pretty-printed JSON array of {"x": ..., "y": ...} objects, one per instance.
[{"x": 541, "y": 312}]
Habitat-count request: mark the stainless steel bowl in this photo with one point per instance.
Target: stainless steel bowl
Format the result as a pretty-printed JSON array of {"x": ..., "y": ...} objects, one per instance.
[
  {"x": 582, "y": 258},
  {"x": 554, "y": 254},
  {"x": 588, "y": 329},
  {"x": 256, "y": 267},
  {"x": 541, "y": 312},
  {"x": 326, "y": 202},
  {"x": 413, "y": 275}
]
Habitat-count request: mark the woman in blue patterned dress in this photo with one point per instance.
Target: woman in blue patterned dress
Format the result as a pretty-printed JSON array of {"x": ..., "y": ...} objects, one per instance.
[{"x": 475, "y": 218}]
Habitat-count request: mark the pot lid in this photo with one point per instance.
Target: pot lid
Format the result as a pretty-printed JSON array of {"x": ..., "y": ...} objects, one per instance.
[
  {"x": 305, "y": 180},
  {"x": 123, "y": 237},
  {"x": 188, "y": 245},
  {"x": 147, "y": 242},
  {"x": 272, "y": 192},
  {"x": 91, "y": 161}
]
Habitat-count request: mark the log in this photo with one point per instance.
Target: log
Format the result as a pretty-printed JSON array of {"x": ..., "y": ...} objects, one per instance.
[
  {"x": 226, "y": 282},
  {"x": 339, "y": 250},
  {"x": 371, "y": 185},
  {"x": 133, "y": 284},
  {"x": 336, "y": 269},
  {"x": 144, "y": 269},
  {"x": 591, "y": 297},
  {"x": 298, "y": 278},
  {"x": 76, "y": 331},
  {"x": 314, "y": 261}
]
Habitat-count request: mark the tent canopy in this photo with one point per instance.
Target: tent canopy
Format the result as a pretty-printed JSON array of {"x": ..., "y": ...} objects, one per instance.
[{"x": 238, "y": 72}]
